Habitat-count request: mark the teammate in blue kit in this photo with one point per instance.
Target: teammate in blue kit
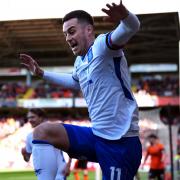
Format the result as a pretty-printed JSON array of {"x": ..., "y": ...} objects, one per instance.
[
  {"x": 101, "y": 73},
  {"x": 35, "y": 117}
]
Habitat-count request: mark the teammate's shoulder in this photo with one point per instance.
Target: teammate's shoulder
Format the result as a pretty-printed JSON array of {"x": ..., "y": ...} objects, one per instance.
[{"x": 30, "y": 135}]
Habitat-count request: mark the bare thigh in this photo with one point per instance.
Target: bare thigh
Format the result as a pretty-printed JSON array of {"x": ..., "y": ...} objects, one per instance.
[{"x": 54, "y": 133}]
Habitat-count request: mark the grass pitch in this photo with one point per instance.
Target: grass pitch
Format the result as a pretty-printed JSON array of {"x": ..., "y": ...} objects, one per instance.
[{"x": 29, "y": 175}]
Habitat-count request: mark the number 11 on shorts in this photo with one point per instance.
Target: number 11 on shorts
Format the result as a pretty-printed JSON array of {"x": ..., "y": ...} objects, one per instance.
[{"x": 115, "y": 172}]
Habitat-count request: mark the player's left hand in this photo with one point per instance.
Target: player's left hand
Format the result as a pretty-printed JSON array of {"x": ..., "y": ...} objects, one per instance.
[{"x": 115, "y": 12}]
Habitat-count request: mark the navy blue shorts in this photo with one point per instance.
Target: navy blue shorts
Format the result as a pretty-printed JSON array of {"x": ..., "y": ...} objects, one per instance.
[{"x": 118, "y": 159}]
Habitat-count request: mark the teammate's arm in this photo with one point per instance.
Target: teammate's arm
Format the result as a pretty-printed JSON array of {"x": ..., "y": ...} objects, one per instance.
[
  {"x": 67, "y": 170},
  {"x": 65, "y": 80},
  {"x": 25, "y": 154},
  {"x": 129, "y": 24}
]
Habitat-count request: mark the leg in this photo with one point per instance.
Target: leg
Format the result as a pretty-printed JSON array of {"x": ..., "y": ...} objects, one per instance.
[
  {"x": 152, "y": 174},
  {"x": 45, "y": 162},
  {"x": 85, "y": 173},
  {"x": 160, "y": 175},
  {"x": 117, "y": 158},
  {"x": 46, "y": 136},
  {"x": 76, "y": 170},
  {"x": 76, "y": 174},
  {"x": 52, "y": 132},
  {"x": 76, "y": 141}
]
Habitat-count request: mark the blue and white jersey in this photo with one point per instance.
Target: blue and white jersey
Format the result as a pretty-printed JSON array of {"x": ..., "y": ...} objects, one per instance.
[
  {"x": 103, "y": 76},
  {"x": 29, "y": 143},
  {"x": 105, "y": 82}
]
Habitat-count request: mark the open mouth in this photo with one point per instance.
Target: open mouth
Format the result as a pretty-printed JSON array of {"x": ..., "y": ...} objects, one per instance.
[{"x": 74, "y": 45}]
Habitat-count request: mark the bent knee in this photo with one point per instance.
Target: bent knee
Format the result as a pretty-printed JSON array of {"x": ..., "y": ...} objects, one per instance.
[
  {"x": 52, "y": 132},
  {"x": 41, "y": 131}
]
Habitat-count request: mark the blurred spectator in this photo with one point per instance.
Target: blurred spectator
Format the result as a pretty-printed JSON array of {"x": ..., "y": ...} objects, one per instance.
[
  {"x": 155, "y": 151},
  {"x": 8, "y": 126},
  {"x": 80, "y": 165}
]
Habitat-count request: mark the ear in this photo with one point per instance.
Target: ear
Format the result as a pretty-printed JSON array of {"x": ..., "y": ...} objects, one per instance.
[{"x": 90, "y": 29}]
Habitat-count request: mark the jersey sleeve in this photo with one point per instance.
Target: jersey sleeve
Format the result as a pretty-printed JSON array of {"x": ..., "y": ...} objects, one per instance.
[
  {"x": 116, "y": 39},
  {"x": 123, "y": 32},
  {"x": 29, "y": 144},
  {"x": 63, "y": 79}
]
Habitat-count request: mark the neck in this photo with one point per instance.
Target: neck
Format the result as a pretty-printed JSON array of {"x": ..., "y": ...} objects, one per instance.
[{"x": 88, "y": 46}]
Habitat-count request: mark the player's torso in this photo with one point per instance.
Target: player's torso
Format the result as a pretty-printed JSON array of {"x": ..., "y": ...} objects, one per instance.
[
  {"x": 103, "y": 73},
  {"x": 104, "y": 79}
]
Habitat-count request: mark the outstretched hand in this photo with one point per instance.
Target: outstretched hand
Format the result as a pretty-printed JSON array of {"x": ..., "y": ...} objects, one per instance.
[
  {"x": 115, "y": 12},
  {"x": 30, "y": 64}
]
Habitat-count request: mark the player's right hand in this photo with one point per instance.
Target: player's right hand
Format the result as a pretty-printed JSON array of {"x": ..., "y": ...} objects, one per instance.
[{"x": 30, "y": 64}]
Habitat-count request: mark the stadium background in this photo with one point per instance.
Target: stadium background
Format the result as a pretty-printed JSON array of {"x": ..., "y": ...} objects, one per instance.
[{"x": 153, "y": 59}]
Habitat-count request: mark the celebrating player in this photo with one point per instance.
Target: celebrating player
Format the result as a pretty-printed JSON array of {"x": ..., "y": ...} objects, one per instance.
[{"x": 101, "y": 73}]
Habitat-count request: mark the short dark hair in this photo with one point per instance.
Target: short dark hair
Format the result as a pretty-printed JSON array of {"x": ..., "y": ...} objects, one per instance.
[
  {"x": 153, "y": 136},
  {"x": 81, "y": 15},
  {"x": 38, "y": 111}
]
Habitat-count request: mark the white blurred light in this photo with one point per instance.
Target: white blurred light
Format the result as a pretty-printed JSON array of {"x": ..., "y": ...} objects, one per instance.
[
  {"x": 40, "y": 9},
  {"x": 146, "y": 68}
]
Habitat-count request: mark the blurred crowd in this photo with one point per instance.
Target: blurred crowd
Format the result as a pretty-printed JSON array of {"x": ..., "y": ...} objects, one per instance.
[
  {"x": 14, "y": 130},
  {"x": 40, "y": 89},
  {"x": 160, "y": 86},
  {"x": 12, "y": 138}
]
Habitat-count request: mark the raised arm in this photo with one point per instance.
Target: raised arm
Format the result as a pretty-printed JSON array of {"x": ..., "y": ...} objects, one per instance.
[
  {"x": 65, "y": 80},
  {"x": 128, "y": 23}
]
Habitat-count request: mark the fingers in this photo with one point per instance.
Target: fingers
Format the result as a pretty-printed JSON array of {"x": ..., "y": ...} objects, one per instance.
[
  {"x": 114, "y": 5},
  {"x": 105, "y": 10},
  {"x": 25, "y": 56},
  {"x": 110, "y": 8},
  {"x": 27, "y": 60},
  {"x": 25, "y": 65},
  {"x": 108, "y": 5}
]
